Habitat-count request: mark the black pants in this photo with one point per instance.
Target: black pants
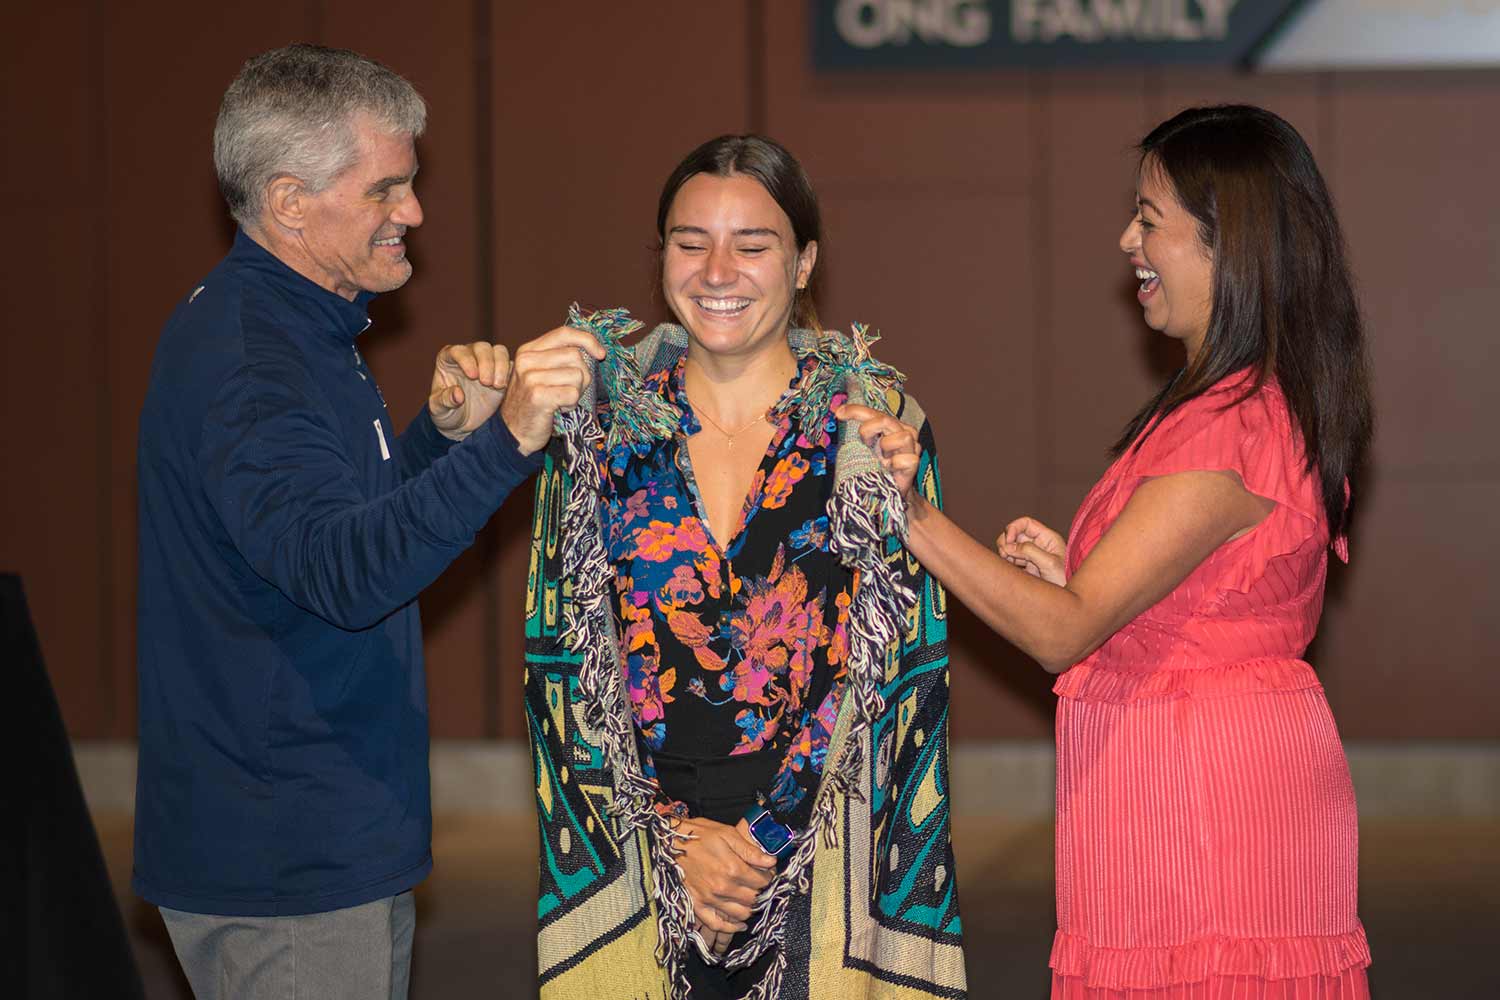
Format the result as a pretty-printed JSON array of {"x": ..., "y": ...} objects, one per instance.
[{"x": 721, "y": 789}]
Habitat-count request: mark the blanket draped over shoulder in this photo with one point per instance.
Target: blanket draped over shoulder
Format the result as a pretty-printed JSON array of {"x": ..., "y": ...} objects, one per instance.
[{"x": 868, "y": 904}]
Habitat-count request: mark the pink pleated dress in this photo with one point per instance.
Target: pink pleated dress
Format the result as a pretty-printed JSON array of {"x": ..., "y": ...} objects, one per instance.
[{"x": 1207, "y": 842}]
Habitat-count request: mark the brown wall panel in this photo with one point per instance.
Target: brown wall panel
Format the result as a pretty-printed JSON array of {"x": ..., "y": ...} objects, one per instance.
[
  {"x": 938, "y": 133},
  {"x": 1406, "y": 647},
  {"x": 439, "y": 305},
  {"x": 1417, "y": 159},
  {"x": 593, "y": 107},
  {"x": 1099, "y": 361},
  {"x": 1414, "y": 157},
  {"x": 54, "y": 385}
]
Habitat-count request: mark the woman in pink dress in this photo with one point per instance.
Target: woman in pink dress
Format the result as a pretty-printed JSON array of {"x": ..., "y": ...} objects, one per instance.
[{"x": 1207, "y": 844}]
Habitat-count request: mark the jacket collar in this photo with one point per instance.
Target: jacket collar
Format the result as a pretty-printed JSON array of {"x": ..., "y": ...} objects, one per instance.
[{"x": 341, "y": 316}]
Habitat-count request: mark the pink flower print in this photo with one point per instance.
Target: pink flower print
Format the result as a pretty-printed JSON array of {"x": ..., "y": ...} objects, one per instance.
[
  {"x": 669, "y": 502},
  {"x": 800, "y": 668},
  {"x": 750, "y": 682},
  {"x": 774, "y": 618},
  {"x": 636, "y": 507},
  {"x": 683, "y": 588},
  {"x": 827, "y": 715},
  {"x": 650, "y": 688}
]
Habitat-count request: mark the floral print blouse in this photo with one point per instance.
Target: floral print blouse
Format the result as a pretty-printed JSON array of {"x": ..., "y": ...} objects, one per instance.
[{"x": 738, "y": 647}]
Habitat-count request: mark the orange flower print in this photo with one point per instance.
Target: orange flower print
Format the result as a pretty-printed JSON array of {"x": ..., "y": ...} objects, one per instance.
[
  {"x": 801, "y": 749},
  {"x": 688, "y": 628},
  {"x": 757, "y": 483},
  {"x": 655, "y": 541},
  {"x": 709, "y": 565},
  {"x": 787, "y": 474},
  {"x": 690, "y": 536},
  {"x": 708, "y": 659},
  {"x": 838, "y": 647}
]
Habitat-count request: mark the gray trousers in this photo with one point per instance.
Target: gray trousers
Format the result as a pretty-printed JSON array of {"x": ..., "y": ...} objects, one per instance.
[{"x": 361, "y": 953}]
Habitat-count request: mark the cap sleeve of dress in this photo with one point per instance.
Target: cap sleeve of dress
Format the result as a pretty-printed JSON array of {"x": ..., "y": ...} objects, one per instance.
[{"x": 1256, "y": 439}]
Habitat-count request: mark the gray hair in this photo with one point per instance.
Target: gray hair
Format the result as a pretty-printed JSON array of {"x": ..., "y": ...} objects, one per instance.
[{"x": 292, "y": 111}]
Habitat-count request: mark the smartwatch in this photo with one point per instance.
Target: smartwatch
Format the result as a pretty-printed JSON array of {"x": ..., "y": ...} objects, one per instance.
[{"x": 773, "y": 836}]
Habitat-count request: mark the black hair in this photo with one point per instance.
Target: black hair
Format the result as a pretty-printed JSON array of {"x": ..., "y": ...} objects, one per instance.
[{"x": 1284, "y": 305}]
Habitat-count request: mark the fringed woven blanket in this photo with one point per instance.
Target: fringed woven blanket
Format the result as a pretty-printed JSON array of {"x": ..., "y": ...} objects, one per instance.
[{"x": 868, "y": 904}]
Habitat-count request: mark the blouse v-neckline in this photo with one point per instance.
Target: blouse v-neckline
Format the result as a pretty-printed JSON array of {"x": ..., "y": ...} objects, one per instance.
[{"x": 689, "y": 425}]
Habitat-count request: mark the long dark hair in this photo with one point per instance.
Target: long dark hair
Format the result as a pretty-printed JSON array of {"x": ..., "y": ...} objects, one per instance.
[
  {"x": 785, "y": 181},
  {"x": 1283, "y": 301}
]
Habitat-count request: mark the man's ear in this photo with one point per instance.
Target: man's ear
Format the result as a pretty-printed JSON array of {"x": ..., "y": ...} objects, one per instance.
[{"x": 287, "y": 201}]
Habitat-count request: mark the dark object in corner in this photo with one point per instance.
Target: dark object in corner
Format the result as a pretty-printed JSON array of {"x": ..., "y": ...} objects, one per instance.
[{"x": 62, "y": 930}]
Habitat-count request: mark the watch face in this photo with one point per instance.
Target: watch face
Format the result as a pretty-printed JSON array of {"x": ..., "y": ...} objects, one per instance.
[{"x": 770, "y": 833}]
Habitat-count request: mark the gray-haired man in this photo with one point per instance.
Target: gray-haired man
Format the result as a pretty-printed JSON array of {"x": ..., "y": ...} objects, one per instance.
[{"x": 286, "y": 529}]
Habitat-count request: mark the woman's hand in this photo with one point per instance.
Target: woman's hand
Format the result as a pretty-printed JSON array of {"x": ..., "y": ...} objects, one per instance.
[
  {"x": 1036, "y": 548},
  {"x": 717, "y": 943},
  {"x": 893, "y": 441},
  {"x": 724, "y": 871}
]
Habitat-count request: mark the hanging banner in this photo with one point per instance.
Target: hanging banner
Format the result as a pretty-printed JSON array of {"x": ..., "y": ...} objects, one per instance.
[{"x": 977, "y": 34}]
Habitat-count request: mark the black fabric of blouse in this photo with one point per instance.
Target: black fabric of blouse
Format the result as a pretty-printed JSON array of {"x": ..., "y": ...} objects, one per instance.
[{"x": 768, "y": 604}]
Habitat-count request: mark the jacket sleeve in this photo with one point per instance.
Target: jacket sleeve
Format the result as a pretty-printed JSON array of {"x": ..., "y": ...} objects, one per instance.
[
  {"x": 420, "y": 445},
  {"x": 275, "y": 470}
]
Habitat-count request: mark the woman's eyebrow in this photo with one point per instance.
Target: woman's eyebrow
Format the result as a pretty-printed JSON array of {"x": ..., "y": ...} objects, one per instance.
[{"x": 748, "y": 231}]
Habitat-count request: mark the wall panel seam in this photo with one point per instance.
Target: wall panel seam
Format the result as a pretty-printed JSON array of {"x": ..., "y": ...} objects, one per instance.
[{"x": 488, "y": 541}]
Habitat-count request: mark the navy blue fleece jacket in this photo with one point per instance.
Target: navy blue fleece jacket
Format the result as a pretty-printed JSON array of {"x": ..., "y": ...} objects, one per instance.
[{"x": 285, "y": 532}]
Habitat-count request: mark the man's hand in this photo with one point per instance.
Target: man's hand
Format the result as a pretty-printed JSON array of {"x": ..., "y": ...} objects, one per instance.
[
  {"x": 550, "y": 374},
  {"x": 468, "y": 384},
  {"x": 724, "y": 870}
]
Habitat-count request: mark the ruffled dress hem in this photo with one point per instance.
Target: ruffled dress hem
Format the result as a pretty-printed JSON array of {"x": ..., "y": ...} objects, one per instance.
[{"x": 1208, "y": 957}]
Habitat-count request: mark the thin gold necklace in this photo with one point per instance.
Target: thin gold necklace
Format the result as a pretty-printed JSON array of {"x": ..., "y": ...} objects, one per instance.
[{"x": 729, "y": 436}]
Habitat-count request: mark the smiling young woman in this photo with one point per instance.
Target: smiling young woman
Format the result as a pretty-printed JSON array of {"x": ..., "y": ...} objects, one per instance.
[
  {"x": 753, "y": 691},
  {"x": 1207, "y": 842}
]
